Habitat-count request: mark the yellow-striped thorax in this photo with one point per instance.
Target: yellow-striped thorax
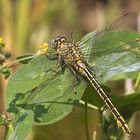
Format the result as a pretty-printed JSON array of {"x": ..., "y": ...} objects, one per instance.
[{"x": 70, "y": 53}]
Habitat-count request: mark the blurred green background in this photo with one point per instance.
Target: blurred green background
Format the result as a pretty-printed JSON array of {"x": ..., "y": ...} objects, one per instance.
[{"x": 25, "y": 24}]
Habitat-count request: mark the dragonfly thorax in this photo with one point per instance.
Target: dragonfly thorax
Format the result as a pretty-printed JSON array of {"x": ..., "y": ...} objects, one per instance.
[
  {"x": 72, "y": 56},
  {"x": 69, "y": 52}
]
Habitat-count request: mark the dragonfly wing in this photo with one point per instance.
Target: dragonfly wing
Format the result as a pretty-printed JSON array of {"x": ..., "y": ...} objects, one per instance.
[
  {"x": 116, "y": 51},
  {"x": 30, "y": 76},
  {"x": 126, "y": 21},
  {"x": 46, "y": 92},
  {"x": 58, "y": 100},
  {"x": 61, "y": 86},
  {"x": 53, "y": 99},
  {"x": 35, "y": 72}
]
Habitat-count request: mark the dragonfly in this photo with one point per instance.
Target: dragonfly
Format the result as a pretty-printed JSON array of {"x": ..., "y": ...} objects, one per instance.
[
  {"x": 78, "y": 59},
  {"x": 69, "y": 54}
]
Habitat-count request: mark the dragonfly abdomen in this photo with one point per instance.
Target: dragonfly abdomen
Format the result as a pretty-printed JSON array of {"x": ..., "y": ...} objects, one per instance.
[{"x": 120, "y": 120}]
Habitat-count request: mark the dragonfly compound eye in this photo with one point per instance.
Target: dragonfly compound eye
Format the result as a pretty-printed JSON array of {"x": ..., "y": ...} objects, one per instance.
[
  {"x": 54, "y": 42},
  {"x": 62, "y": 39}
]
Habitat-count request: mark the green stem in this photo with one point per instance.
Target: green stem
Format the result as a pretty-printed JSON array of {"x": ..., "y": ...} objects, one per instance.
[
  {"x": 6, "y": 132},
  {"x": 101, "y": 124},
  {"x": 137, "y": 81},
  {"x": 17, "y": 61},
  {"x": 22, "y": 59},
  {"x": 86, "y": 122}
]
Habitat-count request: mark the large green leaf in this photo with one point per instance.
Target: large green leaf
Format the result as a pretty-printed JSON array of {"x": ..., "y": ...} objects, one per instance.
[
  {"x": 48, "y": 93},
  {"x": 112, "y": 52}
]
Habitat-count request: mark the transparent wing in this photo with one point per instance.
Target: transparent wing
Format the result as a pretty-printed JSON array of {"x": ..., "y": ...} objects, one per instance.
[
  {"x": 126, "y": 21},
  {"x": 55, "y": 96},
  {"x": 41, "y": 81},
  {"x": 114, "y": 49},
  {"x": 40, "y": 69},
  {"x": 58, "y": 100},
  {"x": 62, "y": 86},
  {"x": 114, "y": 52}
]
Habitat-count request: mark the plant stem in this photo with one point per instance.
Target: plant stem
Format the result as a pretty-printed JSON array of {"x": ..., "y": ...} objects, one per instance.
[
  {"x": 86, "y": 122},
  {"x": 2, "y": 107},
  {"x": 101, "y": 125},
  {"x": 17, "y": 61},
  {"x": 137, "y": 81}
]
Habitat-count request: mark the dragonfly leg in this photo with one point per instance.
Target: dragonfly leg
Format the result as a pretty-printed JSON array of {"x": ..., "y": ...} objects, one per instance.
[{"x": 61, "y": 64}]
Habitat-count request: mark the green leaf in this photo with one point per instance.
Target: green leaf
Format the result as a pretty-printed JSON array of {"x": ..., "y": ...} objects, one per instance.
[
  {"x": 21, "y": 126},
  {"x": 112, "y": 52},
  {"x": 48, "y": 93}
]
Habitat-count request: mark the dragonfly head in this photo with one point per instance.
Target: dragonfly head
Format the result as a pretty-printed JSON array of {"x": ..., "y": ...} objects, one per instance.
[{"x": 58, "y": 41}]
